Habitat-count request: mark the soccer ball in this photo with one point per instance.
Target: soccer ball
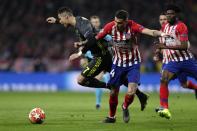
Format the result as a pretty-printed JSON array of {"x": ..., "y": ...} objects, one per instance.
[{"x": 37, "y": 116}]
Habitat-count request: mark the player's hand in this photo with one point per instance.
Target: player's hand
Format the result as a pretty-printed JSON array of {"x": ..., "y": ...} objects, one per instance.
[
  {"x": 165, "y": 35},
  {"x": 74, "y": 56},
  {"x": 51, "y": 20},
  {"x": 156, "y": 58},
  {"x": 78, "y": 44},
  {"x": 81, "y": 48}
]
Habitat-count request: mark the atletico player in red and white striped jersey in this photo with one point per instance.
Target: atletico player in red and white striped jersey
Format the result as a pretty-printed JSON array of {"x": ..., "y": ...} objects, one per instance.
[
  {"x": 178, "y": 60},
  {"x": 126, "y": 59},
  {"x": 179, "y": 33}
]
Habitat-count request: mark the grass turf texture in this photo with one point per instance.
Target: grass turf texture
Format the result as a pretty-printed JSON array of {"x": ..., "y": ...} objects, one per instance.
[{"x": 76, "y": 111}]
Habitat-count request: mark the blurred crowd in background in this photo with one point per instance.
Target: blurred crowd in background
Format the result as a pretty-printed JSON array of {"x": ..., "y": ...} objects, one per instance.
[{"x": 29, "y": 44}]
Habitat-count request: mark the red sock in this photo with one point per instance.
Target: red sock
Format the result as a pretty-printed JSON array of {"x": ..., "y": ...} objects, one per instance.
[
  {"x": 191, "y": 85},
  {"x": 164, "y": 95},
  {"x": 128, "y": 99},
  {"x": 113, "y": 102}
]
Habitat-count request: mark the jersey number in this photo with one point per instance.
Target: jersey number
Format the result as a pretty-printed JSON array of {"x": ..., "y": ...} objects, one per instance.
[
  {"x": 87, "y": 68},
  {"x": 112, "y": 73}
]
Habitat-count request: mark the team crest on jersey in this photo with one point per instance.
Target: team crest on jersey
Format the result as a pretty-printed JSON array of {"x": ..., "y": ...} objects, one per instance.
[{"x": 170, "y": 41}]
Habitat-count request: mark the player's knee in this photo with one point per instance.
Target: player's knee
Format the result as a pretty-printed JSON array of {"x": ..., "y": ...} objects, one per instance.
[
  {"x": 80, "y": 80},
  {"x": 113, "y": 93},
  {"x": 84, "y": 62},
  {"x": 132, "y": 87},
  {"x": 130, "y": 93}
]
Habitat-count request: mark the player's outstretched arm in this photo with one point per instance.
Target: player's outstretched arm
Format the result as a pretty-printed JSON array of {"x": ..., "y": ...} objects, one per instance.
[
  {"x": 154, "y": 33},
  {"x": 182, "y": 46},
  {"x": 75, "y": 56},
  {"x": 51, "y": 20}
]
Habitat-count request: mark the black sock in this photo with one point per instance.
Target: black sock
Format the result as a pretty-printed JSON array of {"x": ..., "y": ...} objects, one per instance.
[
  {"x": 139, "y": 93},
  {"x": 94, "y": 83}
]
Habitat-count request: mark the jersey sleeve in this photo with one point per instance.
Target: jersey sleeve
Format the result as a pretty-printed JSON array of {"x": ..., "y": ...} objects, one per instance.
[
  {"x": 106, "y": 30},
  {"x": 137, "y": 27},
  {"x": 182, "y": 32},
  {"x": 108, "y": 38},
  {"x": 89, "y": 54}
]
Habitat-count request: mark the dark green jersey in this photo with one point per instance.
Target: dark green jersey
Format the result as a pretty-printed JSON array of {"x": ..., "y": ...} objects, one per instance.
[{"x": 85, "y": 31}]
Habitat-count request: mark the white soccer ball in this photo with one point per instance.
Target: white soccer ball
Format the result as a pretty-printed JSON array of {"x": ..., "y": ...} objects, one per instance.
[{"x": 37, "y": 116}]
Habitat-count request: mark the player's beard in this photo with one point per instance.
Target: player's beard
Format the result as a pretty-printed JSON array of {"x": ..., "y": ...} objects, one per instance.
[
  {"x": 172, "y": 20},
  {"x": 121, "y": 29},
  {"x": 70, "y": 29},
  {"x": 67, "y": 26}
]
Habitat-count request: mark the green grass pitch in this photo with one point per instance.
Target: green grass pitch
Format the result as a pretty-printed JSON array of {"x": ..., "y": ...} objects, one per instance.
[{"x": 67, "y": 111}]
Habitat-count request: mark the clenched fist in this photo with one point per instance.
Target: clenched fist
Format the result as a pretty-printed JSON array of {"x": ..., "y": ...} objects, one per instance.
[{"x": 51, "y": 20}]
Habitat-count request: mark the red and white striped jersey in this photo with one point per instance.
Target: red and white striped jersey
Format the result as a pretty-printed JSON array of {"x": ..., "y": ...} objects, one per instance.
[
  {"x": 179, "y": 33},
  {"x": 125, "y": 44}
]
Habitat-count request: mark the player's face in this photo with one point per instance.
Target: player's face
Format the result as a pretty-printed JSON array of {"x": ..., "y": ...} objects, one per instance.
[
  {"x": 95, "y": 22},
  {"x": 171, "y": 15},
  {"x": 162, "y": 19},
  {"x": 63, "y": 19},
  {"x": 121, "y": 24}
]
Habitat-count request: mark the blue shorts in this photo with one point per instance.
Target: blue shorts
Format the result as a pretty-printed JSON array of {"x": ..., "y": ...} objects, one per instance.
[
  {"x": 119, "y": 74},
  {"x": 182, "y": 69}
]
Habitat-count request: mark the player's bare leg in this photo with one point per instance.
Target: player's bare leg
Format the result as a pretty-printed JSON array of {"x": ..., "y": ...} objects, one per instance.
[{"x": 143, "y": 97}]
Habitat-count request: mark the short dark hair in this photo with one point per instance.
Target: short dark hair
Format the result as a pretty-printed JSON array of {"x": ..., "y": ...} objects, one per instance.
[
  {"x": 122, "y": 14},
  {"x": 94, "y": 17},
  {"x": 66, "y": 10},
  {"x": 162, "y": 13},
  {"x": 173, "y": 7}
]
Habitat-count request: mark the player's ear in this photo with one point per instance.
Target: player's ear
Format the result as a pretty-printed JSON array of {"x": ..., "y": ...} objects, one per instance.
[
  {"x": 127, "y": 20},
  {"x": 66, "y": 16}
]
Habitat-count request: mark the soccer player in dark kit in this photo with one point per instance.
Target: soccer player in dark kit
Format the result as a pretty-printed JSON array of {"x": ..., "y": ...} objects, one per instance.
[{"x": 102, "y": 58}]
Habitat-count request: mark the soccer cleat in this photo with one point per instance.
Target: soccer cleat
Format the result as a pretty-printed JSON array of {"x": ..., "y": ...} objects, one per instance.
[
  {"x": 98, "y": 106},
  {"x": 163, "y": 112},
  {"x": 195, "y": 93},
  {"x": 125, "y": 113},
  {"x": 157, "y": 109},
  {"x": 143, "y": 101},
  {"x": 109, "y": 120}
]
